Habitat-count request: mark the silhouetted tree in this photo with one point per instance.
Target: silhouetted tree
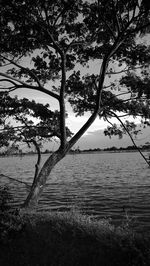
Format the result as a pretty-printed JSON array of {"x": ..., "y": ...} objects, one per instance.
[{"x": 61, "y": 38}]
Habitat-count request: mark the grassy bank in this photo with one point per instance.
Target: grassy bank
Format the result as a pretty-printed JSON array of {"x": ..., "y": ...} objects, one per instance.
[{"x": 68, "y": 239}]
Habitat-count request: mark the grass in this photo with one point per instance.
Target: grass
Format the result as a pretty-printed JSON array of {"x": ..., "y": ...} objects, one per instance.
[{"x": 68, "y": 239}]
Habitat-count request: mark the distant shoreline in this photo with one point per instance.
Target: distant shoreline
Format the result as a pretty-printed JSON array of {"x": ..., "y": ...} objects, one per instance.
[
  {"x": 80, "y": 152},
  {"x": 112, "y": 151}
]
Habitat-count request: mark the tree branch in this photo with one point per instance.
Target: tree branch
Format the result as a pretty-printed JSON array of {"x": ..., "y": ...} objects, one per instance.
[
  {"x": 37, "y": 165},
  {"x": 130, "y": 137},
  {"x": 16, "y": 180},
  {"x": 1, "y": 80},
  {"x": 122, "y": 71},
  {"x": 92, "y": 118},
  {"x": 74, "y": 43},
  {"x": 100, "y": 17},
  {"x": 25, "y": 85},
  {"x": 108, "y": 121},
  {"x": 137, "y": 29},
  {"x": 116, "y": 17},
  {"x": 62, "y": 103},
  {"x": 109, "y": 28},
  {"x": 27, "y": 70}
]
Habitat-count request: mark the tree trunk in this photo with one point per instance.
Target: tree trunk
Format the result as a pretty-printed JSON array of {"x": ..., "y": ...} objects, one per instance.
[{"x": 40, "y": 181}]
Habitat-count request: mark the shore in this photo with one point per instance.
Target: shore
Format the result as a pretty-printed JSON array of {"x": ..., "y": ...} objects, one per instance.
[
  {"x": 90, "y": 151},
  {"x": 69, "y": 239}
]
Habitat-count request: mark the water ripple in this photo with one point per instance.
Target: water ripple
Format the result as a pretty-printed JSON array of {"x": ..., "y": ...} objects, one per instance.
[{"x": 98, "y": 184}]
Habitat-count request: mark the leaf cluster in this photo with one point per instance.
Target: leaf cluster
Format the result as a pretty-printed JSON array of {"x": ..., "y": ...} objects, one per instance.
[
  {"x": 35, "y": 121},
  {"x": 115, "y": 130}
]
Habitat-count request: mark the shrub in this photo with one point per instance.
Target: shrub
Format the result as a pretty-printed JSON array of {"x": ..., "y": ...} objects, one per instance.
[
  {"x": 5, "y": 197},
  {"x": 10, "y": 220}
]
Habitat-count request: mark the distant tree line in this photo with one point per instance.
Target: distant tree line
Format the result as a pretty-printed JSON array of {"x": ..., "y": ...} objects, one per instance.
[
  {"x": 15, "y": 150},
  {"x": 113, "y": 148}
]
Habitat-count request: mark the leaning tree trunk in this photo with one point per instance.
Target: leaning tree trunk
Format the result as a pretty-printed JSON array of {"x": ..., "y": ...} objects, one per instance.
[{"x": 40, "y": 181}]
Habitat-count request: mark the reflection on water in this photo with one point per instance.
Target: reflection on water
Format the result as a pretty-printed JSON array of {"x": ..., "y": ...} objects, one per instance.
[{"x": 100, "y": 184}]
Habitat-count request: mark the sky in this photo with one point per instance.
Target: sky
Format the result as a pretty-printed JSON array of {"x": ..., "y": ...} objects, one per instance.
[
  {"x": 94, "y": 136},
  {"x": 96, "y": 139}
]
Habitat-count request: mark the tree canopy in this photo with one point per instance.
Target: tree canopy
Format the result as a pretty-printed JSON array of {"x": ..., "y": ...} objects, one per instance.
[
  {"x": 53, "y": 46},
  {"x": 26, "y": 121}
]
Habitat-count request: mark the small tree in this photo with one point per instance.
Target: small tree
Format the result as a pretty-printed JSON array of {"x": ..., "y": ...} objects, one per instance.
[{"x": 62, "y": 36}]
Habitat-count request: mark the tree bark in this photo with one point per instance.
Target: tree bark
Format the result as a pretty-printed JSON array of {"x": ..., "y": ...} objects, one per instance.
[{"x": 40, "y": 181}]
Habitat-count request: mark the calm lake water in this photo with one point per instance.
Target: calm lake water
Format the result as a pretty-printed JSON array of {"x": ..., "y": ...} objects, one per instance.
[{"x": 99, "y": 184}]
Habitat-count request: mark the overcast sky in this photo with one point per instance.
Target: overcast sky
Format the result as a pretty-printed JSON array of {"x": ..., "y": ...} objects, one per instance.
[
  {"x": 93, "y": 138},
  {"x": 97, "y": 139}
]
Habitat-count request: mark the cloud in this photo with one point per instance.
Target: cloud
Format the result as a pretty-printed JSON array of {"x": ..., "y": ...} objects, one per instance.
[
  {"x": 97, "y": 139},
  {"x": 75, "y": 123}
]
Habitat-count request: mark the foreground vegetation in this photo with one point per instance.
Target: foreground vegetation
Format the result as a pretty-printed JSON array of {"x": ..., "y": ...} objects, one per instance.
[{"x": 30, "y": 238}]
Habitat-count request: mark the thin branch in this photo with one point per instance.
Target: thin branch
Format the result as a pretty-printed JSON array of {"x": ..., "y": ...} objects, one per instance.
[
  {"x": 17, "y": 128},
  {"x": 120, "y": 18},
  {"x": 25, "y": 85},
  {"x": 125, "y": 115},
  {"x": 74, "y": 43},
  {"x": 130, "y": 137},
  {"x": 118, "y": 72},
  {"x": 10, "y": 79},
  {"x": 11, "y": 89},
  {"x": 134, "y": 98},
  {"x": 16, "y": 180},
  {"x": 124, "y": 70},
  {"x": 106, "y": 87},
  {"x": 139, "y": 28},
  {"x": 108, "y": 121},
  {"x": 116, "y": 17},
  {"x": 4, "y": 65},
  {"x": 37, "y": 165},
  {"x": 128, "y": 11},
  {"x": 100, "y": 17},
  {"x": 3, "y": 80},
  {"x": 123, "y": 93},
  {"x": 133, "y": 15},
  {"x": 17, "y": 80},
  {"x": 45, "y": 28},
  {"x": 54, "y": 134},
  {"x": 55, "y": 44},
  {"x": 102, "y": 74},
  {"x": 59, "y": 15},
  {"x": 120, "y": 94},
  {"x": 128, "y": 24},
  {"x": 109, "y": 28},
  {"x": 62, "y": 103},
  {"x": 25, "y": 69}
]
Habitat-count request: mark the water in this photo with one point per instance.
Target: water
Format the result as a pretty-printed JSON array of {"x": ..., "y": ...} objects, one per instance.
[{"x": 100, "y": 184}]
